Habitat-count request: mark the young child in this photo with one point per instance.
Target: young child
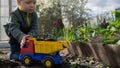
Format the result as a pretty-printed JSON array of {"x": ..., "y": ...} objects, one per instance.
[{"x": 23, "y": 24}]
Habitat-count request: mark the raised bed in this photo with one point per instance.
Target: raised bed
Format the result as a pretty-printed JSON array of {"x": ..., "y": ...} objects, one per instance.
[{"x": 109, "y": 54}]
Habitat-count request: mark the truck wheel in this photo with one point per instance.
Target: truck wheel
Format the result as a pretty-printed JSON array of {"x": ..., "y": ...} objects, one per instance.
[
  {"x": 27, "y": 61},
  {"x": 48, "y": 63}
]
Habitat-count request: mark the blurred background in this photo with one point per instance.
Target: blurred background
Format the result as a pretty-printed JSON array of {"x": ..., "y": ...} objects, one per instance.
[{"x": 57, "y": 15}]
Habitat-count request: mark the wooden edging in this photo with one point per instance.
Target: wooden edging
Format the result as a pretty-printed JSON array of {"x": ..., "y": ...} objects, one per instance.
[{"x": 109, "y": 54}]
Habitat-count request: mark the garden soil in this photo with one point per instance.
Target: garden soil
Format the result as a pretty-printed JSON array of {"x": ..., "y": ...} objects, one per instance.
[{"x": 70, "y": 62}]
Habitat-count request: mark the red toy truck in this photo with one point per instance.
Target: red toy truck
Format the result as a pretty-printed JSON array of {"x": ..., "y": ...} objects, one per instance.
[{"x": 44, "y": 51}]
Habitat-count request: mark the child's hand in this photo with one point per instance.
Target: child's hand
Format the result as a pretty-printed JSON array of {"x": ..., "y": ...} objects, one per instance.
[{"x": 24, "y": 40}]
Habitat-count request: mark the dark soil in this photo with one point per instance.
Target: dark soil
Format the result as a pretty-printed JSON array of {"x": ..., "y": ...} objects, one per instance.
[
  {"x": 8, "y": 64},
  {"x": 73, "y": 62}
]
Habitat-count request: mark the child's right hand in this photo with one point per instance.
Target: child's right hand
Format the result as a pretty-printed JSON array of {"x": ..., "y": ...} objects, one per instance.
[{"x": 24, "y": 40}]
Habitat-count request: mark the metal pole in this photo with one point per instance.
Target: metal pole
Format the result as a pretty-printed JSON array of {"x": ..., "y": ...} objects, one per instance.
[
  {"x": 0, "y": 19},
  {"x": 10, "y": 6}
]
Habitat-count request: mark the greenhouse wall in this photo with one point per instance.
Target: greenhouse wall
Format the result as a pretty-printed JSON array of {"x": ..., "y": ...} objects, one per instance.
[{"x": 6, "y": 6}]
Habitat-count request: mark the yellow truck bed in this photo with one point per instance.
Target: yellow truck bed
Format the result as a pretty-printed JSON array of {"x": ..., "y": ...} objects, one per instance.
[{"x": 48, "y": 47}]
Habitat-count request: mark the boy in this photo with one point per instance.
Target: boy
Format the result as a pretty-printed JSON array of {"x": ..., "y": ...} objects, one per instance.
[{"x": 23, "y": 24}]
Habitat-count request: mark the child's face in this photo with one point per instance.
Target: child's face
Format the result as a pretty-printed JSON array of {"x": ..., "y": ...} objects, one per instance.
[{"x": 27, "y": 5}]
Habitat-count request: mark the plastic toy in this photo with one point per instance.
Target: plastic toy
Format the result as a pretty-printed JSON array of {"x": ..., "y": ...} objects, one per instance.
[{"x": 45, "y": 51}]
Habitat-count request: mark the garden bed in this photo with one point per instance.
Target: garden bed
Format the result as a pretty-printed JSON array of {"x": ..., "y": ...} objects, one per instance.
[
  {"x": 71, "y": 62},
  {"x": 108, "y": 54}
]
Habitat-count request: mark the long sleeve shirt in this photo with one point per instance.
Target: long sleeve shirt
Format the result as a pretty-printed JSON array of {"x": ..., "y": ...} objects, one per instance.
[{"x": 23, "y": 23}]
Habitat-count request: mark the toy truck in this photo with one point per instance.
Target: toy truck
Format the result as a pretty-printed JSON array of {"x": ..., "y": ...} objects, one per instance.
[{"x": 44, "y": 51}]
